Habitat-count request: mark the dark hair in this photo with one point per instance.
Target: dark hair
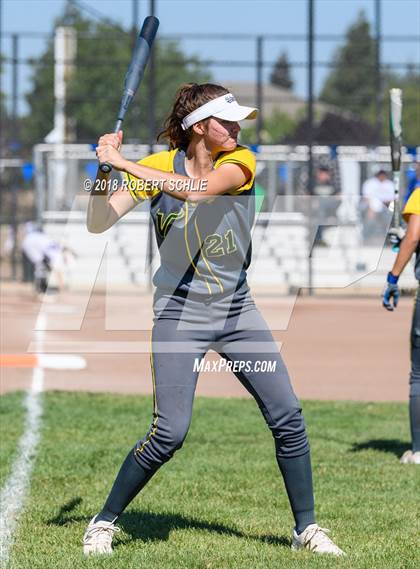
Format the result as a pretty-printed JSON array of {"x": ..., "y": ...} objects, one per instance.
[{"x": 189, "y": 97}]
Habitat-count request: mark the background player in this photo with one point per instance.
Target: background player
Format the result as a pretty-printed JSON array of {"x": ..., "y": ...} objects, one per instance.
[
  {"x": 408, "y": 246},
  {"x": 202, "y": 299}
]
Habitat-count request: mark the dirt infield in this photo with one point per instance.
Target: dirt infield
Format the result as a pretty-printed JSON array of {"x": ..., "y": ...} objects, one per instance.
[{"x": 334, "y": 347}]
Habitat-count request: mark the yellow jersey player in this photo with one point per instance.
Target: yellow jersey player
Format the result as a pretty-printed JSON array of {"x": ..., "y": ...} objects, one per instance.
[{"x": 409, "y": 245}]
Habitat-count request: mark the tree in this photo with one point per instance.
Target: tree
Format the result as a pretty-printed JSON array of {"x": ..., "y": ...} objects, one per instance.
[
  {"x": 9, "y": 126},
  {"x": 103, "y": 53},
  {"x": 3, "y": 112},
  {"x": 40, "y": 119},
  {"x": 95, "y": 94},
  {"x": 351, "y": 83},
  {"x": 280, "y": 74},
  {"x": 2, "y": 95}
]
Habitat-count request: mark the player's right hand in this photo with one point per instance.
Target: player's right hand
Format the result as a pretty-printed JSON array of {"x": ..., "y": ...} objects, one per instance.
[
  {"x": 113, "y": 139},
  {"x": 391, "y": 293}
]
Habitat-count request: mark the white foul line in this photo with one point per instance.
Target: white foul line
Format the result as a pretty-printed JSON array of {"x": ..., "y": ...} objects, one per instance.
[{"x": 13, "y": 493}]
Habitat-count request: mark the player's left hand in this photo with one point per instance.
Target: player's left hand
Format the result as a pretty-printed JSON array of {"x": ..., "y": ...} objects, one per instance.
[
  {"x": 391, "y": 293},
  {"x": 114, "y": 139}
]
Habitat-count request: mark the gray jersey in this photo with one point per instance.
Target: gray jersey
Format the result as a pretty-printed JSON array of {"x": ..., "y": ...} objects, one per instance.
[{"x": 205, "y": 248}]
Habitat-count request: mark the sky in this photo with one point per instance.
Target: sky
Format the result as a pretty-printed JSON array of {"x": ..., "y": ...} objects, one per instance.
[{"x": 226, "y": 17}]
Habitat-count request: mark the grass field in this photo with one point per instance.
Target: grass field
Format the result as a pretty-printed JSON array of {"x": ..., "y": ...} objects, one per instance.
[
  {"x": 12, "y": 414},
  {"x": 220, "y": 502}
]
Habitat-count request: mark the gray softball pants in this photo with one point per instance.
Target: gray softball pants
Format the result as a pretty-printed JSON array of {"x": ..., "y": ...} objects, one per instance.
[
  {"x": 414, "y": 405},
  {"x": 184, "y": 330}
]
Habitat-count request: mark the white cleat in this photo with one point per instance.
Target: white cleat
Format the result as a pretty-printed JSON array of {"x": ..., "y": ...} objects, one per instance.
[
  {"x": 315, "y": 539},
  {"x": 98, "y": 538},
  {"x": 410, "y": 457}
]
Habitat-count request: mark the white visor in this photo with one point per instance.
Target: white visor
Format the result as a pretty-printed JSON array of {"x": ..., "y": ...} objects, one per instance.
[{"x": 225, "y": 107}]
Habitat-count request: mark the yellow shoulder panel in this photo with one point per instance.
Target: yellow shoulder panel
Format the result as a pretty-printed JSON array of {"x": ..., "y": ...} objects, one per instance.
[
  {"x": 243, "y": 156},
  {"x": 412, "y": 205},
  {"x": 138, "y": 188}
]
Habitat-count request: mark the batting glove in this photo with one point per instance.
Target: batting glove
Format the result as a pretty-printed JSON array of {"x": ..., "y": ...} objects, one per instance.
[{"x": 391, "y": 293}]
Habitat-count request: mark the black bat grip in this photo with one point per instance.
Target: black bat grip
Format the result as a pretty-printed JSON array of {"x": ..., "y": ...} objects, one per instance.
[{"x": 105, "y": 167}]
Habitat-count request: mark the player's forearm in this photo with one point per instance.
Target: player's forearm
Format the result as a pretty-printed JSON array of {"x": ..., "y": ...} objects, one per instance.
[
  {"x": 98, "y": 207},
  {"x": 407, "y": 248}
]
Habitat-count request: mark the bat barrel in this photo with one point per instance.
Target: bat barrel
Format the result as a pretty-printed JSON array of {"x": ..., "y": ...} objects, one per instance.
[
  {"x": 395, "y": 123},
  {"x": 149, "y": 29},
  {"x": 135, "y": 71},
  {"x": 395, "y": 117},
  {"x": 138, "y": 63}
]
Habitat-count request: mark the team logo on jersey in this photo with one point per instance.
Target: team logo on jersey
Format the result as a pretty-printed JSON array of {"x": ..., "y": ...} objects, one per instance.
[
  {"x": 229, "y": 98},
  {"x": 164, "y": 222}
]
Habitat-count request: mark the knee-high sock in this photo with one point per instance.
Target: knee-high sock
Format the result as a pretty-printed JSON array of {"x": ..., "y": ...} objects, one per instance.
[
  {"x": 297, "y": 475},
  {"x": 415, "y": 421},
  {"x": 130, "y": 480}
]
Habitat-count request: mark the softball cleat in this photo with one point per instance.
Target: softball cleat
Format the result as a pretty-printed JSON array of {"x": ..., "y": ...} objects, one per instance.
[
  {"x": 98, "y": 538},
  {"x": 315, "y": 539},
  {"x": 410, "y": 457}
]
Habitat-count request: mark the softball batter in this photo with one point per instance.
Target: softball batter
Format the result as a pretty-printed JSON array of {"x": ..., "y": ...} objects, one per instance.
[{"x": 201, "y": 194}]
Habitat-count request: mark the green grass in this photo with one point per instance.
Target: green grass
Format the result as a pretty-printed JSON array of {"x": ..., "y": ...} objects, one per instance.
[
  {"x": 220, "y": 503},
  {"x": 12, "y": 414}
]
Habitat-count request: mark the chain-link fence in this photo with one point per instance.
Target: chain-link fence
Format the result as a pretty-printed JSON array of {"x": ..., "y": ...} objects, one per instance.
[
  {"x": 312, "y": 107},
  {"x": 276, "y": 72}
]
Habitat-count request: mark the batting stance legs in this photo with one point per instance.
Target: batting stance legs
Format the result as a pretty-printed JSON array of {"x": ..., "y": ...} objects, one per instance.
[
  {"x": 175, "y": 374},
  {"x": 414, "y": 405}
]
